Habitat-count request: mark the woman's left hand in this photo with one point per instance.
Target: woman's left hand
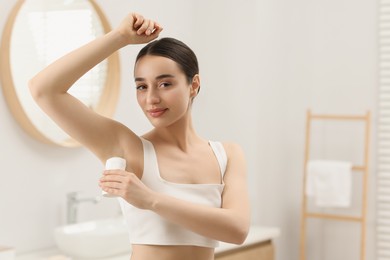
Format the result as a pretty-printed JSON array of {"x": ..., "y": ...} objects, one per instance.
[{"x": 128, "y": 186}]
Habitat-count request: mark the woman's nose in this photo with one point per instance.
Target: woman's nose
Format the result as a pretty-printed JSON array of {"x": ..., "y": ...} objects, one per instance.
[{"x": 153, "y": 97}]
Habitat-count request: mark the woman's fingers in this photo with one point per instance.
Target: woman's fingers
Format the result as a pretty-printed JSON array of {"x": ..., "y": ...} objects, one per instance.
[
  {"x": 112, "y": 182},
  {"x": 111, "y": 185},
  {"x": 150, "y": 28},
  {"x": 110, "y": 190},
  {"x": 157, "y": 27},
  {"x": 114, "y": 175},
  {"x": 156, "y": 31},
  {"x": 138, "y": 20},
  {"x": 142, "y": 29},
  {"x": 128, "y": 186},
  {"x": 144, "y": 26}
]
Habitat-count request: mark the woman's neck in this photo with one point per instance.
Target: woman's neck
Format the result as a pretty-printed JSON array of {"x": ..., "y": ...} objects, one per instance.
[{"x": 180, "y": 134}]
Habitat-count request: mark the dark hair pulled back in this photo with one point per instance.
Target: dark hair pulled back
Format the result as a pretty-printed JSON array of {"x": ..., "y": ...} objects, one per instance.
[{"x": 175, "y": 50}]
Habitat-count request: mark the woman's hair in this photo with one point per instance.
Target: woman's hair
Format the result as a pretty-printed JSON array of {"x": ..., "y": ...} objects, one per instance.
[{"x": 175, "y": 50}]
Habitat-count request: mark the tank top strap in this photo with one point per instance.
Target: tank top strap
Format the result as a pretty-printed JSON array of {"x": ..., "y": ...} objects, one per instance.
[
  {"x": 147, "y": 145},
  {"x": 220, "y": 153},
  {"x": 150, "y": 160}
]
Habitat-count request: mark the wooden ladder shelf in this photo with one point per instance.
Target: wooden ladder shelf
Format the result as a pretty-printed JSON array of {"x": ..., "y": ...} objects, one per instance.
[{"x": 363, "y": 168}]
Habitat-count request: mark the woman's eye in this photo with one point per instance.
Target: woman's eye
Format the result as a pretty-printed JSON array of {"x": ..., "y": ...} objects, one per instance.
[
  {"x": 141, "y": 87},
  {"x": 165, "y": 84}
]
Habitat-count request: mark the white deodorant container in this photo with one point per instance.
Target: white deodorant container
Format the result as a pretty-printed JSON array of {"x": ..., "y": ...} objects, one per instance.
[{"x": 114, "y": 163}]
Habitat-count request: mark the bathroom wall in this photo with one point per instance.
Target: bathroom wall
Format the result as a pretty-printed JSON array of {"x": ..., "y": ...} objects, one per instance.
[
  {"x": 263, "y": 63},
  {"x": 331, "y": 67}
]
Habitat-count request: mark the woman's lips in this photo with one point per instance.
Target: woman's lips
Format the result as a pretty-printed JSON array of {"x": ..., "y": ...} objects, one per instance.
[{"x": 156, "y": 112}]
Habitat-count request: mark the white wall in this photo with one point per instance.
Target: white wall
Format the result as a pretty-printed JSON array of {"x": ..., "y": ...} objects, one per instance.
[
  {"x": 331, "y": 67},
  {"x": 263, "y": 63}
]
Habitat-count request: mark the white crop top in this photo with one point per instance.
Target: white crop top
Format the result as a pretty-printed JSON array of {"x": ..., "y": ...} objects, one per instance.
[{"x": 147, "y": 227}]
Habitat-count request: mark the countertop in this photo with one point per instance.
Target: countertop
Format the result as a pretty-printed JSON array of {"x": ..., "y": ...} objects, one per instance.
[{"x": 257, "y": 234}]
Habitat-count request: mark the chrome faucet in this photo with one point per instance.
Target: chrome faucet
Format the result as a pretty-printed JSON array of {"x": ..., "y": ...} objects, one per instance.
[{"x": 73, "y": 201}]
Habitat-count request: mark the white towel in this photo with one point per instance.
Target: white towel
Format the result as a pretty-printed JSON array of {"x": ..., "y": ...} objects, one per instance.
[{"x": 329, "y": 182}]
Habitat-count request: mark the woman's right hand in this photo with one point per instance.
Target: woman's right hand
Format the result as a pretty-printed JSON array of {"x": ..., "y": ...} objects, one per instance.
[{"x": 137, "y": 30}]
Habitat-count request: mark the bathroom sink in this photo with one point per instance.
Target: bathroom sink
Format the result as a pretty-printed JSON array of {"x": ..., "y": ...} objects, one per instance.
[{"x": 93, "y": 239}]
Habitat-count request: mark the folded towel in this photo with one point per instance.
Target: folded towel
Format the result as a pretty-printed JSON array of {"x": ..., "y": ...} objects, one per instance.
[{"x": 329, "y": 182}]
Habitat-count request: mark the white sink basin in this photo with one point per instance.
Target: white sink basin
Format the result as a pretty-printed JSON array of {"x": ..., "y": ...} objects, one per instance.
[{"x": 93, "y": 239}]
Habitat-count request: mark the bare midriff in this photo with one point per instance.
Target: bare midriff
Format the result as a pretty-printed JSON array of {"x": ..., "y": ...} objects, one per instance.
[{"x": 150, "y": 252}]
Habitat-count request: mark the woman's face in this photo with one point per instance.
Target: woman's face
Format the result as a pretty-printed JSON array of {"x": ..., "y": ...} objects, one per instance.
[{"x": 163, "y": 92}]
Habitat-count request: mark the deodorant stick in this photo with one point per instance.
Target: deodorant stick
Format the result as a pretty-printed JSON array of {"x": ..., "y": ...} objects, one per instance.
[{"x": 114, "y": 163}]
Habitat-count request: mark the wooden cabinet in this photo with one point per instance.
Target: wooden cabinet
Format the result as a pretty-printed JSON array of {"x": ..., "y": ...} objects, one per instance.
[{"x": 258, "y": 251}]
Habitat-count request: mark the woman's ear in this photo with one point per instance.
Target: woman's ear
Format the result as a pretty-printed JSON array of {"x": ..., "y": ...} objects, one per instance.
[{"x": 195, "y": 85}]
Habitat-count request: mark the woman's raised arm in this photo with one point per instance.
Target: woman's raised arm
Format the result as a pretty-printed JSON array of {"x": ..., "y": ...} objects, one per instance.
[{"x": 50, "y": 87}]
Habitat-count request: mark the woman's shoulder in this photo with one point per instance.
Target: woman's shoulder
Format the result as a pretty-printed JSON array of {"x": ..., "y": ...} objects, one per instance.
[
  {"x": 230, "y": 144},
  {"x": 235, "y": 157},
  {"x": 232, "y": 148}
]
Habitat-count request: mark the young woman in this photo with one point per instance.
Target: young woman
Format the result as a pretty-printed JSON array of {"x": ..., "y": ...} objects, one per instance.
[{"x": 181, "y": 193}]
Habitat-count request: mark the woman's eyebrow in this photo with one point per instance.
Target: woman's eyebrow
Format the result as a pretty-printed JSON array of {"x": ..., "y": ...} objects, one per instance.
[
  {"x": 165, "y": 76},
  {"x": 162, "y": 76}
]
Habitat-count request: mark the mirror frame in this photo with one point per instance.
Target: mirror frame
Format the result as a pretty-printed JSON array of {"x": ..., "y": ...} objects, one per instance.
[{"x": 108, "y": 99}]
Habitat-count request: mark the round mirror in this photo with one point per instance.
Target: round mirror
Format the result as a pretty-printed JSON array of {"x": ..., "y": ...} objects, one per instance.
[{"x": 38, "y": 32}]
